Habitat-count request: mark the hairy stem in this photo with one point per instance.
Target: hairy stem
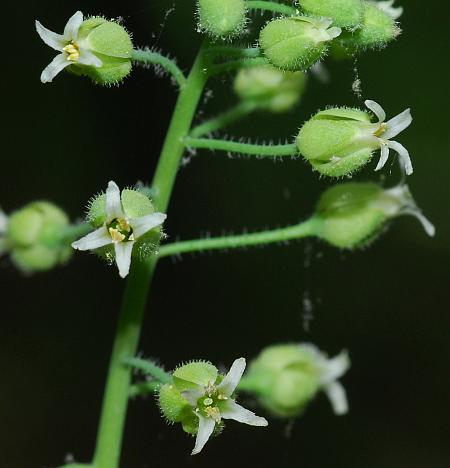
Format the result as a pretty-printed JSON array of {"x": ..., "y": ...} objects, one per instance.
[
  {"x": 149, "y": 368},
  {"x": 147, "y": 57},
  {"x": 298, "y": 231},
  {"x": 271, "y": 6},
  {"x": 143, "y": 388},
  {"x": 237, "y": 64},
  {"x": 242, "y": 148},
  {"x": 230, "y": 51},
  {"x": 112, "y": 421},
  {"x": 228, "y": 117}
]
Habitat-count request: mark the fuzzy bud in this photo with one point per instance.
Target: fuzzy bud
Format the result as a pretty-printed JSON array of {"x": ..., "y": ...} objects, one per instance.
[
  {"x": 34, "y": 236},
  {"x": 297, "y": 43},
  {"x": 270, "y": 88},
  {"x": 286, "y": 377},
  {"x": 377, "y": 30},
  {"x": 344, "y": 13},
  {"x": 351, "y": 215},
  {"x": 222, "y": 19}
]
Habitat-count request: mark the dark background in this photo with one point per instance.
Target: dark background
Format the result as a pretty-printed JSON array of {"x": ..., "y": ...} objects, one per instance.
[{"x": 387, "y": 304}]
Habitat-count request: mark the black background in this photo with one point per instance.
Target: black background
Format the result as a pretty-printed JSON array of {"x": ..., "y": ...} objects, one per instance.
[{"x": 387, "y": 304}]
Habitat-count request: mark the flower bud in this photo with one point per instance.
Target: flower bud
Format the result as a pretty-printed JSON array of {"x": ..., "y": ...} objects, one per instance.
[
  {"x": 96, "y": 47},
  {"x": 339, "y": 141},
  {"x": 344, "y": 13},
  {"x": 34, "y": 237},
  {"x": 353, "y": 214},
  {"x": 376, "y": 31},
  {"x": 220, "y": 18},
  {"x": 286, "y": 377},
  {"x": 296, "y": 43},
  {"x": 270, "y": 88}
]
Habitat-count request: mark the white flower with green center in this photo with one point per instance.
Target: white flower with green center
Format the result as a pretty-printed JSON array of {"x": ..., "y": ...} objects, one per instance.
[
  {"x": 72, "y": 49},
  {"x": 384, "y": 131},
  {"x": 211, "y": 398},
  {"x": 388, "y": 7},
  {"x": 119, "y": 229}
]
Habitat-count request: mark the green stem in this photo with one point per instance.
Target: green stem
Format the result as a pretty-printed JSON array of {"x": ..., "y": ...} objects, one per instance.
[
  {"x": 271, "y": 6},
  {"x": 242, "y": 148},
  {"x": 143, "y": 388},
  {"x": 306, "y": 229},
  {"x": 227, "y": 51},
  {"x": 237, "y": 112},
  {"x": 75, "y": 231},
  {"x": 237, "y": 64},
  {"x": 110, "y": 432},
  {"x": 149, "y": 368},
  {"x": 147, "y": 57}
]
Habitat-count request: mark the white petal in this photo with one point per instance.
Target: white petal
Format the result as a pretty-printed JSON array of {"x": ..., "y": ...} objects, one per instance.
[
  {"x": 338, "y": 398},
  {"x": 56, "y": 65},
  {"x": 93, "y": 240},
  {"x": 376, "y": 109},
  {"x": 336, "y": 367},
  {"x": 113, "y": 203},
  {"x": 72, "y": 26},
  {"x": 403, "y": 154},
  {"x": 231, "y": 410},
  {"x": 427, "y": 225},
  {"x": 88, "y": 58},
  {"x": 384, "y": 156},
  {"x": 55, "y": 41},
  {"x": 205, "y": 429},
  {"x": 123, "y": 257},
  {"x": 192, "y": 396},
  {"x": 398, "y": 124},
  {"x": 231, "y": 380},
  {"x": 334, "y": 32},
  {"x": 324, "y": 23},
  {"x": 387, "y": 7},
  {"x": 146, "y": 223}
]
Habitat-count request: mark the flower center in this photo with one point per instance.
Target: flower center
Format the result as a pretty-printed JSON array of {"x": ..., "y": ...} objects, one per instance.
[
  {"x": 72, "y": 51},
  {"x": 380, "y": 130},
  {"x": 120, "y": 230},
  {"x": 209, "y": 404}
]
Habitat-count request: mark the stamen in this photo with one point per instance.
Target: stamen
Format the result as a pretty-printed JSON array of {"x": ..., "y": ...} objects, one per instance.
[
  {"x": 380, "y": 130},
  {"x": 213, "y": 413},
  {"x": 116, "y": 235},
  {"x": 72, "y": 51}
]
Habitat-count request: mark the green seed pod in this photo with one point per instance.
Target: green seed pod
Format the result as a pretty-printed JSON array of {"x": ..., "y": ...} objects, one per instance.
[
  {"x": 351, "y": 215},
  {"x": 286, "y": 377},
  {"x": 35, "y": 237},
  {"x": 344, "y": 13},
  {"x": 219, "y": 18},
  {"x": 270, "y": 88},
  {"x": 377, "y": 30},
  {"x": 296, "y": 43}
]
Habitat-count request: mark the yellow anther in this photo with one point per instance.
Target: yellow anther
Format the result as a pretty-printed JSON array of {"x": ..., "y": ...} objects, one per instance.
[
  {"x": 116, "y": 235},
  {"x": 380, "y": 130},
  {"x": 221, "y": 396},
  {"x": 124, "y": 225},
  {"x": 73, "y": 53},
  {"x": 214, "y": 413}
]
